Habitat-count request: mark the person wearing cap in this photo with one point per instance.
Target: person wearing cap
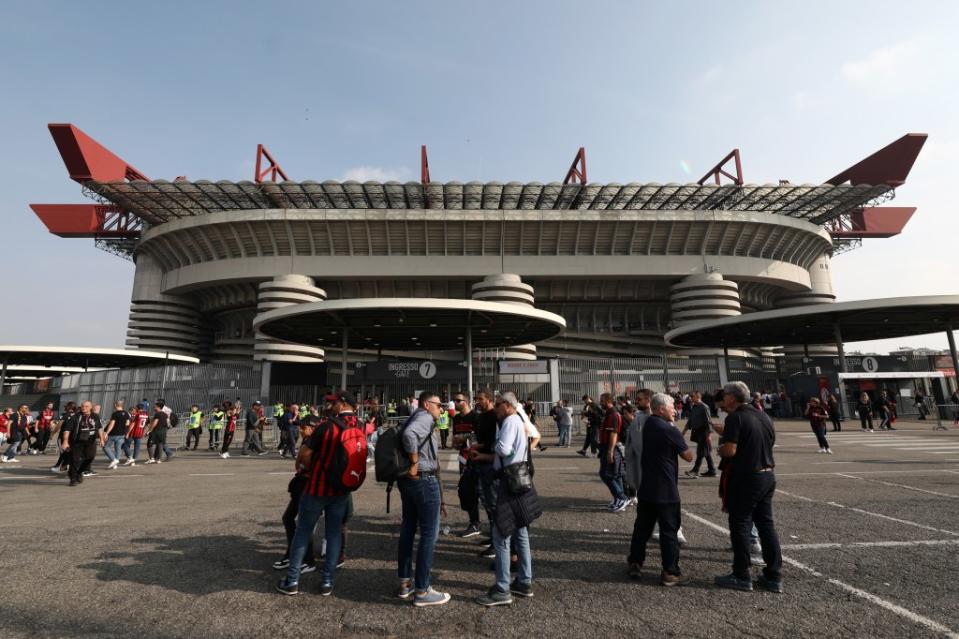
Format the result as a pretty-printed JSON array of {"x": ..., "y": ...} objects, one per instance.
[
  {"x": 322, "y": 497},
  {"x": 288, "y": 425},
  {"x": 254, "y": 426}
]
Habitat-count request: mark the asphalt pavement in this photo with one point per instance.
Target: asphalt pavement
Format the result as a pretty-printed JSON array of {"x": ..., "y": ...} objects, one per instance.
[{"x": 870, "y": 538}]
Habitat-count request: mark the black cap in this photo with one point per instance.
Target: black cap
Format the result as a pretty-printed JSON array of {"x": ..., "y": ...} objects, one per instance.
[{"x": 346, "y": 398}]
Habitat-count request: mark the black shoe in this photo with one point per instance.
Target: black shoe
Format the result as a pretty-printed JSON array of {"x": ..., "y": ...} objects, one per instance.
[
  {"x": 74, "y": 482},
  {"x": 326, "y": 590},
  {"x": 734, "y": 583},
  {"x": 768, "y": 584},
  {"x": 282, "y": 564},
  {"x": 489, "y": 552},
  {"x": 521, "y": 589},
  {"x": 635, "y": 570},
  {"x": 282, "y": 587},
  {"x": 581, "y": 453},
  {"x": 495, "y": 597},
  {"x": 709, "y": 473}
]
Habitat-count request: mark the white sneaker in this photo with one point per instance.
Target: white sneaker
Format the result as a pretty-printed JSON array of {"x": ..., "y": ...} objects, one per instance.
[
  {"x": 828, "y": 451},
  {"x": 633, "y": 501},
  {"x": 3, "y": 460},
  {"x": 151, "y": 461},
  {"x": 681, "y": 537},
  {"x": 55, "y": 469},
  {"x": 821, "y": 450},
  {"x": 113, "y": 464},
  {"x": 130, "y": 462},
  {"x": 225, "y": 455},
  {"x": 13, "y": 461}
]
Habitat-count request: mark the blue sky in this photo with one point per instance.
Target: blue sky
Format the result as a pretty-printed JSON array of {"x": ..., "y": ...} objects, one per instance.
[{"x": 497, "y": 90}]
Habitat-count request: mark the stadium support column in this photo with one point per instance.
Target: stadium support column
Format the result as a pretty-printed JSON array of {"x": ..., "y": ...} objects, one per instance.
[
  {"x": 509, "y": 289},
  {"x": 469, "y": 358},
  {"x": 952, "y": 352},
  {"x": 837, "y": 331},
  {"x": 346, "y": 346},
  {"x": 280, "y": 292},
  {"x": 160, "y": 322},
  {"x": 3, "y": 374},
  {"x": 820, "y": 292}
]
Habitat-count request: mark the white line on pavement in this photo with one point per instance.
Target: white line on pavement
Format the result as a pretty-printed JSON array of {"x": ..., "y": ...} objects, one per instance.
[
  {"x": 871, "y": 472},
  {"x": 926, "y": 622},
  {"x": 873, "y": 544},
  {"x": 889, "y": 483},
  {"x": 212, "y": 474},
  {"x": 869, "y": 513}
]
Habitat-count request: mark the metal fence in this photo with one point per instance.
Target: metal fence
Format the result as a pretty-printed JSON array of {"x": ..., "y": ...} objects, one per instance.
[{"x": 180, "y": 385}]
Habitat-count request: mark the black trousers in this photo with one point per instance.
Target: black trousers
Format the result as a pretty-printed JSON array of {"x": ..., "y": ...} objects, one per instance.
[
  {"x": 227, "y": 440},
  {"x": 81, "y": 456},
  {"x": 750, "y": 501},
  {"x": 194, "y": 434},
  {"x": 704, "y": 450},
  {"x": 590, "y": 442},
  {"x": 43, "y": 439},
  {"x": 670, "y": 519},
  {"x": 864, "y": 420},
  {"x": 289, "y": 523},
  {"x": 836, "y": 422}
]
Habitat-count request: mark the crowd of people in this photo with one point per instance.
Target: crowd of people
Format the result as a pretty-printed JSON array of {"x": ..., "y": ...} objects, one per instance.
[{"x": 637, "y": 440}]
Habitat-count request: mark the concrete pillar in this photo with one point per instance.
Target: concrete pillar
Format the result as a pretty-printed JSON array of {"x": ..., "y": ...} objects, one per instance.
[
  {"x": 820, "y": 292},
  {"x": 704, "y": 296},
  {"x": 280, "y": 292},
  {"x": 509, "y": 289},
  {"x": 159, "y": 322}
]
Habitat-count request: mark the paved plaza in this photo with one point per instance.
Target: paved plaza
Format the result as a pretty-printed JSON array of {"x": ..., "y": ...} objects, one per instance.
[{"x": 870, "y": 537}]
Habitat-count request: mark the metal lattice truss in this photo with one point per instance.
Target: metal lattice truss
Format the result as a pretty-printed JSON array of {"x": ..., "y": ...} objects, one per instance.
[{"x": 160, "y": 201}]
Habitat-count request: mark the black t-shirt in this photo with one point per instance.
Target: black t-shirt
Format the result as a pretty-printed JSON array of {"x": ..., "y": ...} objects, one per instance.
[
  {"x": 594, "y": 415},
  {"x": 753, "y": 433},
  {"x": 163, "y": 422},
  {"x": 662, "y": 442},
  {"x": 120, "y": 419},
  {"x": 465, "y": 424},
  {"x": 83, "y": 428},
  {"x": 485, "y": 431},
  {"x": 311, "y": 420}
]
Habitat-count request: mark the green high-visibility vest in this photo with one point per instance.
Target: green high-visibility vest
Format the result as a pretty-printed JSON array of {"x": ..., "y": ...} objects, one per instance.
[
  {"x": 195, "y": 419},
  {"x": 216, "y": 420}
]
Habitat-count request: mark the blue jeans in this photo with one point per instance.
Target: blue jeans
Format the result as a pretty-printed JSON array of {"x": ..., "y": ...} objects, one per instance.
[
  {"x": 311, "y": 509},
  {"x": 564, "y": 435},
  {"x": 15, "y": 440},
  {"x": 136, "y": 447},
  {"x": 611, "y": 474},
  {"x": 113, "y": 446},
  {"x": 501, "y": 544},
  {"x": 421, "y": 509}
]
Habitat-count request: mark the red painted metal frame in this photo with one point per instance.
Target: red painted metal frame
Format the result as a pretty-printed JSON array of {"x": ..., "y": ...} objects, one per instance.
[
  {"x": 577, "y": 170},
  {"x": 273, "y": 169},
  {"x": 717, "y": 171},
  {"x": 86, "y": 159},
  {"x": 88, "y": 220},
  {"x": 889, "y": 165},
  {"x": 424, "y": 166},
  {"x": 872, "y": 222}
]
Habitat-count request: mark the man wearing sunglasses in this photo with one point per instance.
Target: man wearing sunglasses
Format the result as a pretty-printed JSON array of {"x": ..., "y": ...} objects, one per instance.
[{"x": 422, "y": 504}]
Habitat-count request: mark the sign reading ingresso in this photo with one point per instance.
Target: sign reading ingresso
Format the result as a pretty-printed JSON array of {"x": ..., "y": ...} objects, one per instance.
[
  {"x": 522, "y": 367},
  {"x": 413, "y": 370}
]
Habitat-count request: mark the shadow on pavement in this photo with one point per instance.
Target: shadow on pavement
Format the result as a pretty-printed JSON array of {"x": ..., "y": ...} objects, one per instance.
[{"x": 191, "y": 565}]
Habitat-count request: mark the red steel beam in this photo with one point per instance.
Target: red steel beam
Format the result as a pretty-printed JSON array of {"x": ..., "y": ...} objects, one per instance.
[
  {"x": 86, "y": 159},
  {"x": 424, "y": 166},
  {"x": 577, "y": 170},
  {"x": 88, "y": 220},
  {"x": 889, "y": 165},
  {"x": 273, "y": 168},
  {"x": 873, "y": 222},
  {"x": 718, "y": 171}
]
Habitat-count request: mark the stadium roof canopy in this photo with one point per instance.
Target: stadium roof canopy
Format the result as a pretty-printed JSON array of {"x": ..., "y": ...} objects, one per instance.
[
  {"x": 857, "y": 321},
  {"x": 161, "y": 201},
  {"x": 418, "y": 323},
  {"x": 72, "y": 359}
]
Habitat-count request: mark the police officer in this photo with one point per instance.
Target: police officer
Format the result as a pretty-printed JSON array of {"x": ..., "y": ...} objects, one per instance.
[{"x": 81, "y": 434}]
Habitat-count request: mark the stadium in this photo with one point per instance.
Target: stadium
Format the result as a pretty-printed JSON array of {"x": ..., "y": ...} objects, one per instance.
[{"x": 621, "y": 264}]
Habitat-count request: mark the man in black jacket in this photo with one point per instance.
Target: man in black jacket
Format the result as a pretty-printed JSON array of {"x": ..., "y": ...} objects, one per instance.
[
  {"x": 82, "y": 432},
  {"x": 699, "y": 426}
]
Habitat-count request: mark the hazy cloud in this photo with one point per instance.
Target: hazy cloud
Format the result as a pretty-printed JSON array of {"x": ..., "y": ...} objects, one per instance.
[{"x": 900, "y": 67}]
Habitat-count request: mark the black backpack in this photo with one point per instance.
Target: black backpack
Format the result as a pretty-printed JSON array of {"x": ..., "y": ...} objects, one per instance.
[
  {"x": 174, "y": 419},
  {"x": 391, "y": 462}
]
